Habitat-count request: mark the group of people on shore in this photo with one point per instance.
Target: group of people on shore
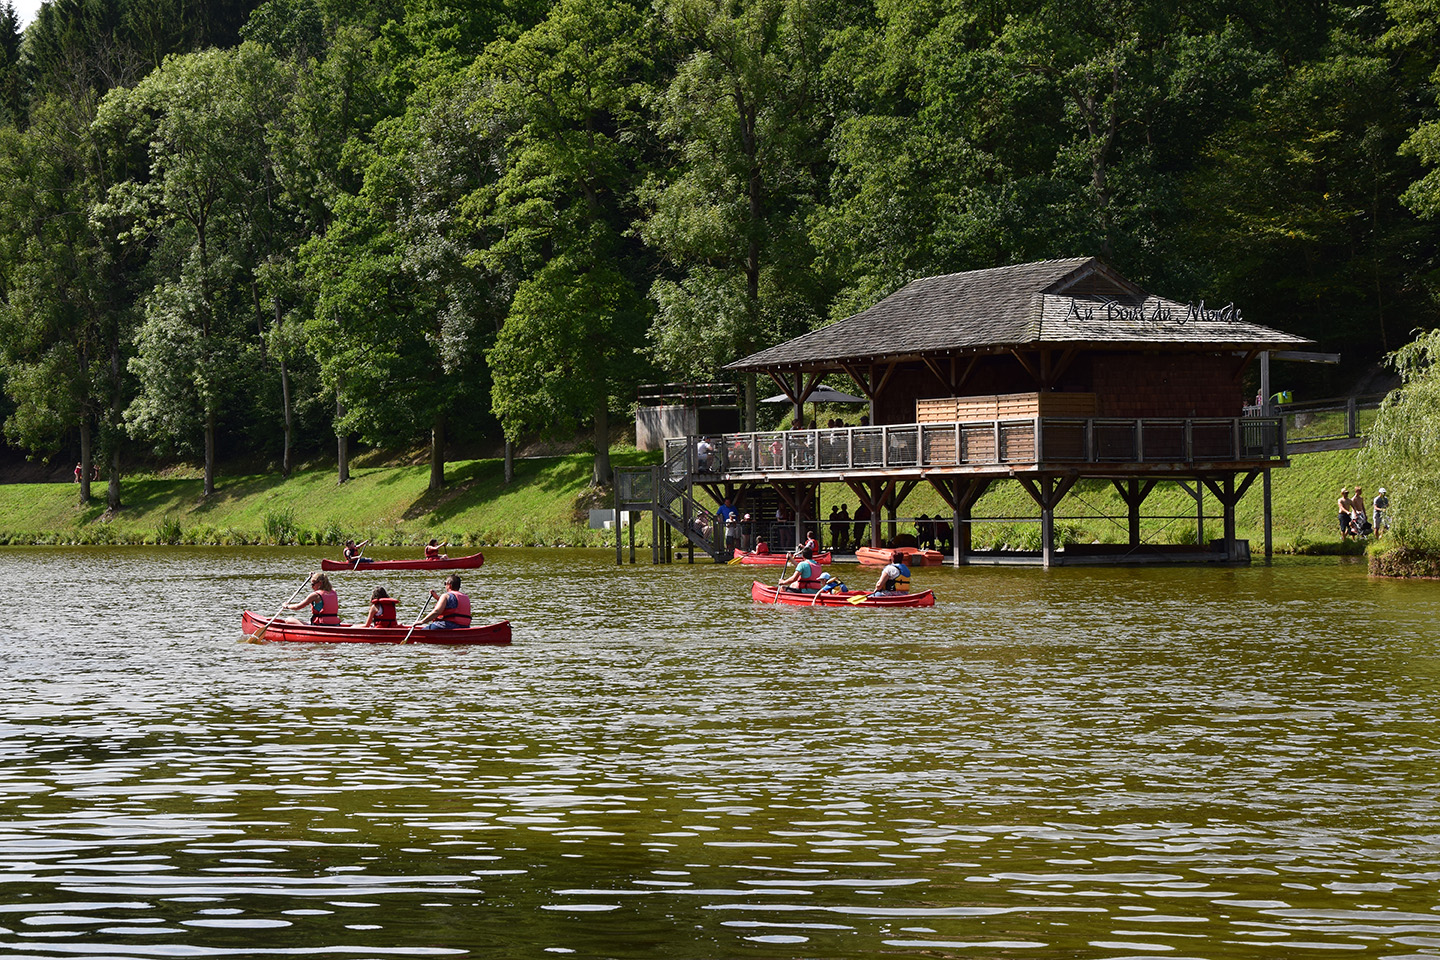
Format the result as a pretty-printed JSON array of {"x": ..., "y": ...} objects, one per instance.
[
  {"x": 450, "y": 610},
  {"x": 1353, "y": 517}
]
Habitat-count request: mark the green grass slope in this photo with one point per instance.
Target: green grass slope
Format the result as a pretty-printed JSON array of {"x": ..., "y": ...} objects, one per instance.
[{"x": 548, "y": 501}]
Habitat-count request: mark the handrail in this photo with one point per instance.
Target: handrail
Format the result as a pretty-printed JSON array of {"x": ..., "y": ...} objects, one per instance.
[{"x": 1006, "y": 441}]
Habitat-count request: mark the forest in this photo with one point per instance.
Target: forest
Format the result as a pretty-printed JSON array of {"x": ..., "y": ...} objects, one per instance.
[{"x": 267, "y": 230}]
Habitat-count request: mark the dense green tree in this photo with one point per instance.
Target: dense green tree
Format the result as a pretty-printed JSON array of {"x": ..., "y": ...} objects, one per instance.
[
  {"x": 70, "y": 279},
  {"x": 744, "y": 121},
  {"x": 204, "y": 200},
  {"x": 12, "y": 80},
  {"x": 1416, "y": 32},
  {"x": 1297, "y": 210},
  {"x": 401, "y": 319},
  {"x": 1404, "y": 444},
  {"x": 567, "y": 94}
]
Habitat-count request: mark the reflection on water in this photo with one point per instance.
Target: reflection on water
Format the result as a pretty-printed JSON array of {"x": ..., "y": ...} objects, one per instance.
[{"x": 1081, "y": 763}]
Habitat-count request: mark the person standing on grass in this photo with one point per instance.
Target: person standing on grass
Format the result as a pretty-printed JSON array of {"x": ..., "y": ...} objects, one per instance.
[
  {"x": 1342, "y": 507},
  {"x": 1361, "y": 524},
  {"x": 1381, "y": 514}
]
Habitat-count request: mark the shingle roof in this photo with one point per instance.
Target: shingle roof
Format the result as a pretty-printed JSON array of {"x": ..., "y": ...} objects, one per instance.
[{"x": 1061, "y": 302}]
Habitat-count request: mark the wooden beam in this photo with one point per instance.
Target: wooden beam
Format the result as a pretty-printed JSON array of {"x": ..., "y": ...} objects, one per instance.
[
  {"x": 1034, "y": 374},
  {"x": 1240, "y": 370},
  {"x": 889, "y": 371},
  {"x": 1066, "y": 358}
]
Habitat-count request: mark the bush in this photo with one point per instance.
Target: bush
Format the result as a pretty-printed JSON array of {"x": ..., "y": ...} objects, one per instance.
[
  {"x": 169, "y": 530},
  {"x": 1400, "y": 561},
  {"x": 279, "y": 526}
]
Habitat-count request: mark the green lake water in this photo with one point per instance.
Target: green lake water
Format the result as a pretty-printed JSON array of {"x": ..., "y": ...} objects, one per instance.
[{"x": 1084, "y": 763}]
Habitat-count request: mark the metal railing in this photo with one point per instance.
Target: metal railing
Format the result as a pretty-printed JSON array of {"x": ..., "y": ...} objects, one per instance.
[{"x": 1030, "y": 440}]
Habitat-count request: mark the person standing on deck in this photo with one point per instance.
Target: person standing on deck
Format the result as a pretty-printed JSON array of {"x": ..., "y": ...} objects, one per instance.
[{"x": 730, "y": 519}]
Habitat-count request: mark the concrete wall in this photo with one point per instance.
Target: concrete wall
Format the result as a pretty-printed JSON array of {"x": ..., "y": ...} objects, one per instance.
[{"x": 654, "y": 424}]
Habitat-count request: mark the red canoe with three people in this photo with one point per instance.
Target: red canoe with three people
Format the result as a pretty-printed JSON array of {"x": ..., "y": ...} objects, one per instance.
[
  {"x": 266, "y": 629},
  {"x": 444, "y": 563},
  {"x": 768, "y": 593},
  {"x": 751, "y": 557}
]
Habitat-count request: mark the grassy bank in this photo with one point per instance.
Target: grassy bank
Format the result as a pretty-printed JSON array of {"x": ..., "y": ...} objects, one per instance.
[{"x": 548, "y": 504}]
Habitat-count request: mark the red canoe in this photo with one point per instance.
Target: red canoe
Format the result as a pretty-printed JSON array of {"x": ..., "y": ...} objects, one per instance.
[
  {"x": 454, "y": 563},
  {"x": 914, "y": 556},
  {"x": 496, "y": 634},
  {"x": 776, "y": 558},
  {"x": 765, "y": 593}
]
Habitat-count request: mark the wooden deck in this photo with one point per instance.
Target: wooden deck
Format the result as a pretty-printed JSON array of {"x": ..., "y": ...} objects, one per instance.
[{"x": 1089, "y": 446}]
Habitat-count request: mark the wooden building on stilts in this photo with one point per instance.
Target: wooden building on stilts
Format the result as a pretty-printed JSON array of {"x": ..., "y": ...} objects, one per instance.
[{"x": 1042, "y": 373}]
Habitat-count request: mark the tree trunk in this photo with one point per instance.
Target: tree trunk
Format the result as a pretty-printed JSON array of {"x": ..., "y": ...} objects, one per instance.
[
  {"x": 285, "y": 460},
  {"x": 285, "y": 464},
  {"x": 114, "y": 431},
  {"x": 112, "y": 489},
  {"x": 437, "y": 453},
  {"x": 209, "y": 453},
  {"x": 509, "y": 462},
  {"x": 601, "y": 475},
  {"x": 342, "y": 441},
  {"x": 86, "y": 455}
]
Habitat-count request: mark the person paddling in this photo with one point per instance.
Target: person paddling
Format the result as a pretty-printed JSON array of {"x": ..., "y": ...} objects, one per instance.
[
  {"x": 451, "y": 610},
  {"x": 432, "y": 550},
  {"x": 322, "y": 600},
  {"x": 382, "y": 610},
  {"x": 805, "y": 569},
  {"x": 894, "y": 578},
  {"x": 355, "y": 553}
]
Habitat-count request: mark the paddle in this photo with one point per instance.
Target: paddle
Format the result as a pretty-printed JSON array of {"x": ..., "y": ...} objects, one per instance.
[
  {"x": 783, "y": 568},
  {"x": 259, "y": 635},
  {"x": 424, "y": 605},
  {"x": 359, "y": 553},
  {"x": 863, "y": 597}
]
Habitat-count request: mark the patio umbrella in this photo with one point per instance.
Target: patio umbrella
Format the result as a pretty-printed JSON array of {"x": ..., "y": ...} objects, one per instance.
[{"x": 821, "y": 394}]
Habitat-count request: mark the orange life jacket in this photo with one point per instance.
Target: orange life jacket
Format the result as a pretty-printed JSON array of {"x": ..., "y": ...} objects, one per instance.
[
  {"x": 458, "y": 614},
  {"x": 327, "y": 612},
  {"x": 384, "y": 612}
]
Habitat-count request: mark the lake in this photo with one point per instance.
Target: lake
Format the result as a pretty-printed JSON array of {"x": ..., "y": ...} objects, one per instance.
[{"x": 1107, "y": 763}]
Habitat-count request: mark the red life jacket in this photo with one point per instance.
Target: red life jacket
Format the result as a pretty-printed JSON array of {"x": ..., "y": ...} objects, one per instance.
[
  {"x": 432, "y": 553},
  {"x": 458, "y": 614},
  {"x": 384, "y": 612},
  {"x": 328, "y": 612}
]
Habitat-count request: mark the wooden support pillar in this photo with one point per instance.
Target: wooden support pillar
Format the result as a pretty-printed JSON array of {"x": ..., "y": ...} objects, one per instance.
[
  {"x": 1268, "y": 545},
  {"x": 1047, "y": 494},
  {"x": 1134, "y": 492},
  {"x": 960, "y": 496},
  {"x": 619, "y": 547},
  {"x": 631, "y": 527},
  {"x": 874, "y": 496},
  {"x": 1229, "y": 503},
  {"x": 1229, "y": 495}
]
